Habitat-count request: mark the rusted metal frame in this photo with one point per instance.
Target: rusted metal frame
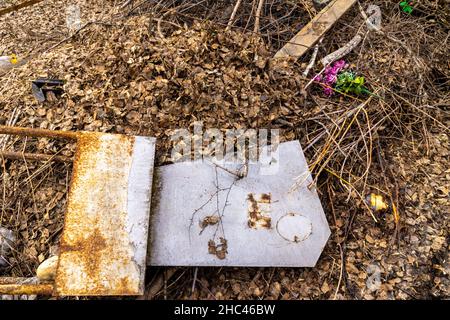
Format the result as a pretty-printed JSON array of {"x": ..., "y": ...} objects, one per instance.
[
  {"x": 101, "y": 249},
  {"x": 18, "y": 131},
  {"x": 13, "y": 285},
  {"x": 88, "y": 247},
  {"x": 16, "y": 286},
  {"x": 31, "y": 132},
  {"x": 33, "y": 156}
]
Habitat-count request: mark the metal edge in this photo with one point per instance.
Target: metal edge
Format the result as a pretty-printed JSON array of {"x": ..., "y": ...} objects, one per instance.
[{"x": 139, "y": 200}]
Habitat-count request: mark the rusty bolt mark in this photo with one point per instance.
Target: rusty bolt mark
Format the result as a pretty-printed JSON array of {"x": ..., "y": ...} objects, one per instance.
[
  {"x": 294, "y": 227},
  {"x": 259, "y": 211}
]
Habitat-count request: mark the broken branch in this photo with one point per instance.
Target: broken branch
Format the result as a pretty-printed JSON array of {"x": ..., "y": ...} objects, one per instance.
[
  {"x": 233, "y": 14},
  {"x": 258, "y": 16}
]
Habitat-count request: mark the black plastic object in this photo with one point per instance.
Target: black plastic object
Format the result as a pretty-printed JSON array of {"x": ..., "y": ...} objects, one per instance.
[{"x": 41, "y": 86}]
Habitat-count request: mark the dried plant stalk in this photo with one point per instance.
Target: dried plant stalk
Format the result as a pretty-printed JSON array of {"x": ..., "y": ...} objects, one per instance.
[
  {"x": 233, "y": 14},
  {"x": 313, "y": 59},
  {"x": 258, "y": 16},
  {"x": 343, "y": 51}
]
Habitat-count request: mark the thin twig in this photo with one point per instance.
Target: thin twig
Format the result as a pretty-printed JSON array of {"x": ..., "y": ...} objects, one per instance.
[
  {"x": 233, "y": 14},
  {"x": 313, "y": 58},
  {"x": 258, "y": 16},
  {"x": 340, "y": 273},
  {"x": 158, "y": 283},
  {"x": 195, "y": 280}
]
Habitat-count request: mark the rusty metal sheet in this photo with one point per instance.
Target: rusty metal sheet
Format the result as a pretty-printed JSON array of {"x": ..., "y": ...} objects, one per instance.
[
  {"x": 203, "y": 215},
  {"x": 103, "y": 246}
]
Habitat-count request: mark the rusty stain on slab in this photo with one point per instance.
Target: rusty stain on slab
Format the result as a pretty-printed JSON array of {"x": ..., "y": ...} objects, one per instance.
[
  {"x": 259, "y": 211},
  {"x": 219, "y": 249},
  {"x": 315, "y": 29}
]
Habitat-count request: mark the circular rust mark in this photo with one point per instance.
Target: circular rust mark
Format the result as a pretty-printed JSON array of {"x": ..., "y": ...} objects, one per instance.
[{"x": 294, "y": 227}]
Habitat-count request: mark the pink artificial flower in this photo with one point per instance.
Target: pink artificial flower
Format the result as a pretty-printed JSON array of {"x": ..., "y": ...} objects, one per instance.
[{"x": 329, "y": 77}]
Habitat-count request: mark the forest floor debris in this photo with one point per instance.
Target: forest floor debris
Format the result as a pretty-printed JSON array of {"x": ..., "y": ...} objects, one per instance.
[{"x": 137, "y": 73}]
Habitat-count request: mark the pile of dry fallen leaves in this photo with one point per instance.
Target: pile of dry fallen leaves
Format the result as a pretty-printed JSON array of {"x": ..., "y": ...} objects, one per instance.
[{"x": 129, "y": 72}]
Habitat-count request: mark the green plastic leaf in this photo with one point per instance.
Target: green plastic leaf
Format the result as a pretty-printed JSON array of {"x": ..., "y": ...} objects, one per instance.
[
  {"x": 359, "y": 81},
  {"x": 406, "y": 7}
]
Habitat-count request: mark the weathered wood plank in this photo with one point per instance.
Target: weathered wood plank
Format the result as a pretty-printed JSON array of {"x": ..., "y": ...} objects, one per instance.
[{"x": 315, "y": 29}]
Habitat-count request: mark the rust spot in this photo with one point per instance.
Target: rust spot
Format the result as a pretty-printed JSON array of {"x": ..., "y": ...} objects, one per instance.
[
  {"x": 266, "y": 197},
  {"x": 124, "y": 285},
  {"x": 209, "y": 221},
  {"x": 220, "y": 249},
  {"x": 89, "y": 250},
  {"x": 259, "y": 211}
]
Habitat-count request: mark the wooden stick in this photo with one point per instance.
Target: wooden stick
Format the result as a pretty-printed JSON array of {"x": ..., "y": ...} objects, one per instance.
[
  {"x": 27, "y": 286},
  {"x": 258, "y": 16},
  {"x": 194, "y": 281},
  {"x": 343, "y": 51},
  {"x": 313, "y": 59},
  {"x": 315, "y": 29},
  {"x": 233, "y": 14},
  {"x": 11, "y": 122},
  {"x": 123, "y": 5},
  {"x": 158, "y": 283}
]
